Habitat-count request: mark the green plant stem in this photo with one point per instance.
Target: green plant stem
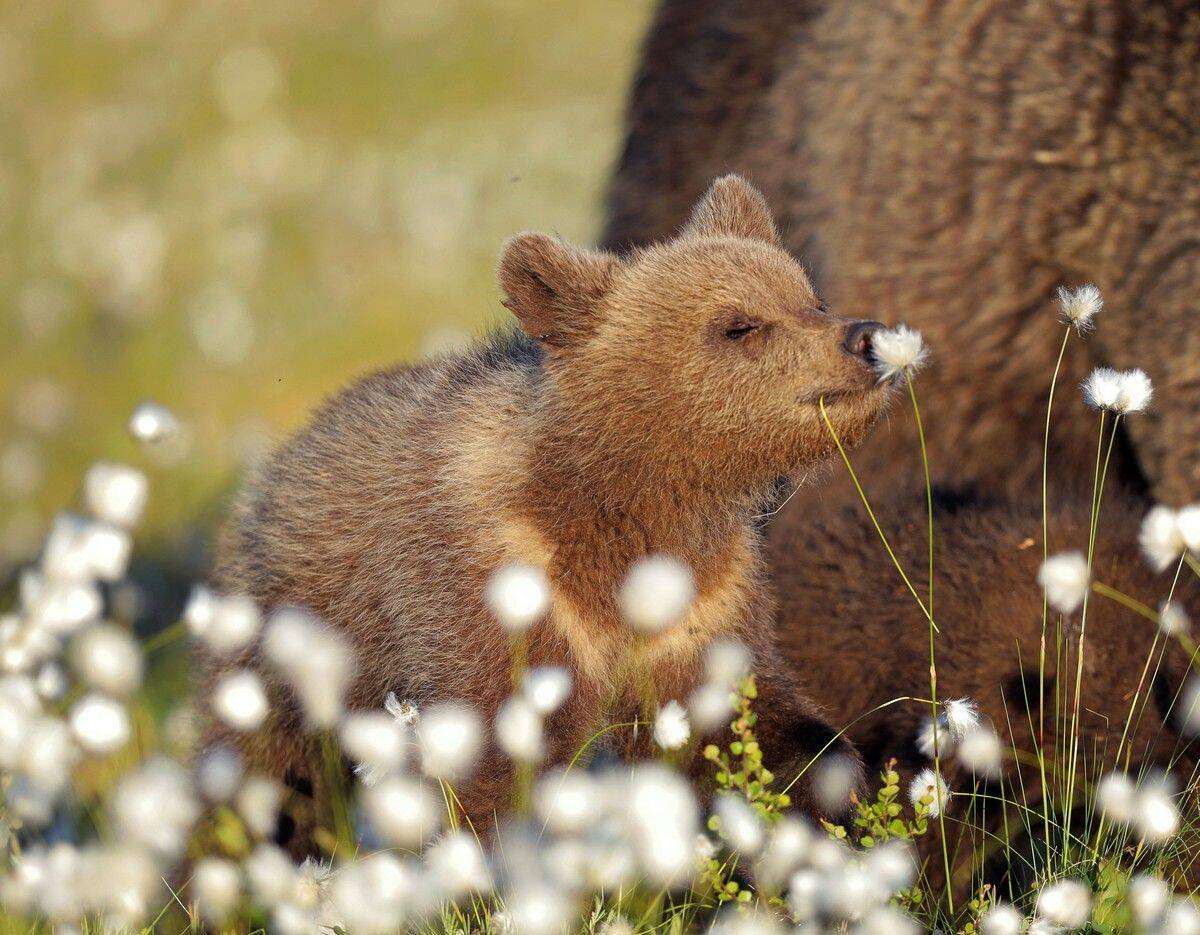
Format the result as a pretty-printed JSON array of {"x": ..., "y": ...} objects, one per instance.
[{"x": 871, "y": 513}]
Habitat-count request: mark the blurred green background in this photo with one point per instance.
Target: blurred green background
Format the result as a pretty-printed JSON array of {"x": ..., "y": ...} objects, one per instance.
[{"x": 233, "y": 208}]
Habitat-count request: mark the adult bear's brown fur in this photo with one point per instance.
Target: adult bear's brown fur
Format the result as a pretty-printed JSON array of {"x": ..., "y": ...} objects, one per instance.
[
  {"x": 849, "y": 626},
  {"x": 949, "y": 165},
  {"x": 647, "y": 408}
]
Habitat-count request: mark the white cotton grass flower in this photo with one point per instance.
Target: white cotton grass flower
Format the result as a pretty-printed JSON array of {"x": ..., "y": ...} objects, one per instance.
[
  {"x": 567, "y": 801},
  {"x": 216, "y": 885},
  {"x": 223, "y": 623},
  {"x": 1135, "y": 392},
  {"x": 374, "y": 740},
  {"x": 152, "y": 423},
  {"x": 457, "y": 864},
  {"x": 1181, "y": 918},
  {"x": 739, "y": 824},
  {"x": 1188, "y": 711},
  {"x": 115, "y": 493},
  {"x": 787, "y": 848},
  {"x": 1148, "y": 898},
  {"x": 401, "y": 811},
  {"x": 962, "y": 716},
  {"x": 656, "y": 593},
  {"x": 538, "y": 908},
  {"x": 662, "y": 820},
  {"x": 316, "y": 661},
  {"x": 257, "y": 802},
  {"x": 1161, "y": 540},
  {"x": 1001, "y": 919},
  {"x": 1079, "y": 306},
  {"x": 1067, "y": 903},
  {"x": 546, "y": 688},
  {"x": 100, "y": 724},
  {"x": 671, "y": 728},
  {"x": 405, "y": 712},
  {"x": 219, "y": 773},
  {"x": 155, "y": 807},
  {"x": 981, "y": 752},
  {"x": 898, "y": 351},
  {"x": 711, "y": 706},
  {"x": 726, "y": 663},
  {"x": 1116, "y": 797},
  {"x": 1065, "y": 579},
  {"x": 517, "y": 596},
  {"x": 1102, "y": 388},
  {"x": 931, "y": 740},
  {"x": 1188, "y": 522},
  {"x": 271, "y": 874},
  {"x": 833, "y": 780},
  {"x": 372, "y": 894},
  {"x": 1156, "y": 815},
  {"x": 239, "y": 700},
  {"x": 930, "y": 787},
  {"x": 1173, "y": 619},
  {"x": 449, "y": 736},
  {"x": 80, "y": 550},
  {"x": 51, "y": 681},
  {"x": 108, "y": 658},
  {"x": 518, "y": 728}
]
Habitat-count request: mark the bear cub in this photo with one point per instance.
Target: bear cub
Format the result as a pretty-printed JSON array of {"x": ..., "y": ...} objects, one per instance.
[{"x": 646, "y": 406}]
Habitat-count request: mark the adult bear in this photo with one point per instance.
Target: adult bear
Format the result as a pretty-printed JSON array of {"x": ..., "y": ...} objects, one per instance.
[{"x": 950, "y": 165}]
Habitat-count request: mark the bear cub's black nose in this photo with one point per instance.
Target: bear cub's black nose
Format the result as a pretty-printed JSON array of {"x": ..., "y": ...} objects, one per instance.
[{"x": 860, "y": 336}]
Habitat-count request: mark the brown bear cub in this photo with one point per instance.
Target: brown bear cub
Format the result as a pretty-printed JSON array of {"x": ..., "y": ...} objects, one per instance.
[{"x": 646, "y": 406}]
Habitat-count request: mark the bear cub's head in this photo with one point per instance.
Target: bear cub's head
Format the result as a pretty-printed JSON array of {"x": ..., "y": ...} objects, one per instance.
[{"x": 710, "y": 350}]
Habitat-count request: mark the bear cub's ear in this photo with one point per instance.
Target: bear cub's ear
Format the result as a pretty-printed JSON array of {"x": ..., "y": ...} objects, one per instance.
[
  {"x": 554, "y": 288},
  {"x": 733, "y": 208}
]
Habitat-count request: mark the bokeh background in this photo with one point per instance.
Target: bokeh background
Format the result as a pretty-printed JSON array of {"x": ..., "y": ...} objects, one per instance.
[{"x": 233, "y": 208}]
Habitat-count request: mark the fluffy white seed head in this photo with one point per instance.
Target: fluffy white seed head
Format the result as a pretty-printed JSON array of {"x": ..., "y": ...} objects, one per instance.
[
  {"x": 671, "y": 728},
  {"x": 833, "y": 779},
  {"x": 457, "y": 864},
  {"x": 1188, "y": 521},
  {"x": 898, "y": 351},
  {"x": 449, "y": 736},
  {"x": 402, "y": 812},
  {"x": 1156, "y": 816},
  {"x": 375, "y": 740},
  {"x": 223, "y": 623},
  {"x": 1181, "y": 918},
  {"x": 567, "y": 801},
  {"x": 371, "y": 895},
  {"x": 108, "y": 658},
  {"x": 1065, "y": 580},
  {"x": 100, "y": 724},
  {"x": 217, "y": 888},
  {"x": 981, "y": 752},
  {"x": 79, "y": 550},
  {"x": 1149, "y": 898},
  {"x": 1135, "y": 391},
  {"x": 1160, "y": 538},
  {"x": 152, "y": 422},
  {"x": 315, "y": 660},
  {"x": 239, "y": 700},
  {"x": 1173, "y": 619},
  {"x": 405, "y": 712},
  {"x": 935, "y": 737},
  {"x": 740, "y": 825},
  {"x": 787, "y": 848},
  {"x": 271, "y": 875},
  {"x": 662, "y": 820},
  {"x": 656, "y": 593},
  {"x": 1116, "y": 797},
  {"x": 1102, "y": 388},
  {"x": 930, "y": 787},
  {"x": 1065, "y": 902},
  {"x": 1080, "y": 306},
  {"x": 115, "y": 493},
  {"x": 1001, "y": 919},
  {"x": 219, "y": 773},
  {"x": 519, "y": 730},
  {"x": 547, "y": 687},
  {"x": 726, "y": 663},
  {"x": 1189, "y": 706},
  {"x": 517, "y": 596},
  {"x": 710, "y": 706},
  {"x": 962, "y": 716},
  {"x": 257, "y": 802},
  {"x": 154, "y": 807}
]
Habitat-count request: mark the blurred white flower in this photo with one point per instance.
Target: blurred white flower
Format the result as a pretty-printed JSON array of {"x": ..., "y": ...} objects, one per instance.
[
  {"x": 1116, "y": 797},
  {"x": 740, "y": 824},
  {"x": 271, "y": 874},
  {"x": 1161, "y": 541},
  {"x": 662, "y": 820},
  {"x": 154, "y": 807},
  {"x": 898, "y": 351},
  {"x": 79, "y": 550},
  {"x": 1156, "y": 816},
  {"x": 1065, "y": 579},
  {"x": 223, "y": 623},
  {"x": 981, "y": 752},
  {"x": 517, "y": 596},
  {"x": 115, "y": 493},
  {"x": 1172, "y": 619},
  {"x": 450, "y": 736},
  {"x": 218, "y": 773},
  {"x": 804, "y": 895},
  {"x": 1149, "y": 898},
  {"x": 1079, "y": 306},
  {"x": 726, "y": 663},
  {"x": 217, "y": 887},
  {"x": 787, "y": 849},
  {"x": 538, "y": 909},
  {"x": 1135, "y": 392},
  {"x": 375, "y": 740},
  {"x": 1189, "y": 706},
  {"x": 1188, "y": 521},
  {"x": 567, "y": 801},
  {"x": 656, "y": 593},
  {"x": 457, "y": 865},
  {"x": 108, "y": 658},
  {"x": 257, "y": 802},
  {"x": 1001, "y": 919},
  {"x": 1181, "y": 918},
  {"x": 151, "y": 423},
  {"x": 833, "y": 779},
  {"x": 316, "y": 661},
  {"x": 100, "y": 724},
  {"x": 518, "y": 728},
  {"x": 51, "y": 681},
  {"x": 710, "y": 706},
  {"x": 935, "y": 735},
  {"x": 547, "y": 687},
  {"x": 402, "y": 812},
  {"x": 47, "y": 755},
  {"x": 59, "y": 607},
  {"x": 239, "y": 700},
  {"x": 962, "y": 716},
  {"x": 671, "y": 729},
  {"x": 371, "y": 894},
  {"x": 1102, "y": 388},
  {"x": 405, "y": 712},
  {"x": 1065, "y": 902},
  {"x": 928, "y": 785}
]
